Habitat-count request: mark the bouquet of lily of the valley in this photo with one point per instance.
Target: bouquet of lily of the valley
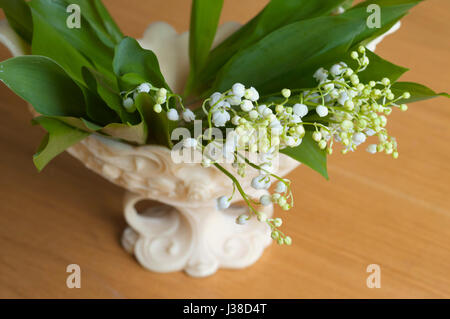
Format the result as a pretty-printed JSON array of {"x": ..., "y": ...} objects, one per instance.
[{"x": 298, "y": 79}]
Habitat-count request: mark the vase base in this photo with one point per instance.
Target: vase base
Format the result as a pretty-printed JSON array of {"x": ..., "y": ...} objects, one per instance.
[{"x": 197, "y": 240}]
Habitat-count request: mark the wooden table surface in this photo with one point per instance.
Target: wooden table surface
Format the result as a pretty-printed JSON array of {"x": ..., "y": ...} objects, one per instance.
[{"x": 374, "y": 210}]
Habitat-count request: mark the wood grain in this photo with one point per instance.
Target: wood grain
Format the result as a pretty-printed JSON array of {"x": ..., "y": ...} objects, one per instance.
[{"x": 374, "y": 210}]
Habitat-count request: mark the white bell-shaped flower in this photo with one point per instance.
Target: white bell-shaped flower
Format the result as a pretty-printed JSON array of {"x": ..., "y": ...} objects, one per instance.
[
  {"x": 300, "y": 109},
  {"x": 238, "y": 90},
  {"x": 190, "y": 142},
  {"x": 220, "y": 118},
  {"x": 359, "y": 138},
  {"x": 223, "y": 203},
  {"x": 322, "y": 110},
  {"x": 173, "y": 115},
  {"x": 188, "y": 115},
  {"x": 215, "y": 98},
  {"x": 372, "y": 148},
  {"x": 321, "y": 75},
  {"x": 246, "y": 105},
  {"x": 144, "y": 88}
]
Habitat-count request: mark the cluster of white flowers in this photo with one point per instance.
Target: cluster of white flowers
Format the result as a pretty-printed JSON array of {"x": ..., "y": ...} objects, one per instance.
[
  {"x": 355, "y": 110},
  {"x": 343, "y": 110},
  {"x": 161, "y": 99},
  {"x": 256, "y": 128}
]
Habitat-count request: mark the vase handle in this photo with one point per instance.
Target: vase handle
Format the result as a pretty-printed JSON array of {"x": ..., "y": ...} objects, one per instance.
[
  {"x": 160, "y": 237},
  {"x": 131, "y": 215}
]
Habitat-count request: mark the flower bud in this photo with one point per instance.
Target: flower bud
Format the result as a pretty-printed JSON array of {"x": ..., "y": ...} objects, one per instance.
[
  {"x": 300, "y": 109},
  {"x": 242, "y": 219},
  {"x": 128, "y": 103},
  {"x": 347, "y": 125},
  {"x": 286, "y": 93},
  {"x": 322, "y": 110},
  {"x": 157, "y": 108},
  {"x": 265, "y": 200},
  {"x": 354, "y": 79},
  {"x": 317, "y": 136},
  {"x": 246, "y": 106},
  {"x": 281, "y": 187},
  {"x": 372, "y": 148},
  {"x": 172, "y": 115},
  {"x": 349, "y": 105},
  {"x": 279, "y": 108},
  {"x": 223, "y": 203},
  {"x": 253, "y": 114},
  {"x": 262, "y": 217},
  {"x": 277, "y": 222},
  {"x": 300, "y": 131},
  {"x": 287, "y": 240}
]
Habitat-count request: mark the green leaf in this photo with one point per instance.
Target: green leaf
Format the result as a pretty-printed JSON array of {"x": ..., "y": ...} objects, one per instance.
[
  {"x": 301, "y": 76},
  {"x": 131, "y": 133},
  {"x": 309, "y": 154},
  {"x": 280, "y": 58},
  {"x": 96, "y": 108},
  {"x": 109, "y": 23},
  {"x": 95, "y": 13},
  {"x": 60, "y": 137},
  {"x": 136, "y": 134},
  {"x": 44, "y": 84},
  {"x": 106, "y": 89},
  {"x": 391, "y": 12},
  {"x": 276, "y": 14},
  {"x": 418, "y": 92},
  {"x": 47, "y": 41},
  {"x": 160, "y": 128},
  {"x": 78, "y": 123},
  {"x": 380, "y": 68},
  {"x": 83, "y": 39},
  {"x": 205, "y": 16},
  {"x": 130, "y": 57},
  {"x": 132, "y": 80},
  {"x": 19, "y": 17},
  {"x": 204, "y": 22}
]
